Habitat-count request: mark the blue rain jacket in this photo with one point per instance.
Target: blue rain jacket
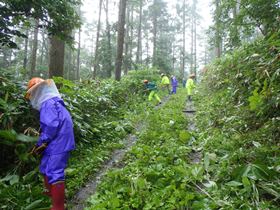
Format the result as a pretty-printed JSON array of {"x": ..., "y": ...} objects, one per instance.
[
  {"x": 56, "y": 127},
  {"x": 174, "y": 82}
]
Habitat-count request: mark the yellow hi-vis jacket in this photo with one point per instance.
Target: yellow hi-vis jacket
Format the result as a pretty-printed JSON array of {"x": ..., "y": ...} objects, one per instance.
[
  {"x": 165, "y": 80},
  {"x": 190, "y": 86}
]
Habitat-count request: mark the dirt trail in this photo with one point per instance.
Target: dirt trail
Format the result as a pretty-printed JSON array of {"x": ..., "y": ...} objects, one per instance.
[
  {"x": 196, "y": 155},
  {"x": 79, "y": 200}
]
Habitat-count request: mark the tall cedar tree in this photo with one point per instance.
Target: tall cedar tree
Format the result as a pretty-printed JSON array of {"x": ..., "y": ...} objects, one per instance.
[
  {"x": 121, "y": 23},
  {"x": 96, "y": 60},
  {"x": 56, "y": 64},
  {"x": 34, "y": 48}
]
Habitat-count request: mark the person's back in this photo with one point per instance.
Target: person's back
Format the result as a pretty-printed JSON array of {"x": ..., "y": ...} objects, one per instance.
[
  {"x": 165, "y": 83},
  {"x": 61, "y": 137},
  {"x": 174, "y": 84},
  {"x": 151, "y": 86},
  {"x": 165, "y": 80},
  {"x": 190, "y": 86},
  {"x": 174, "y": 81}
]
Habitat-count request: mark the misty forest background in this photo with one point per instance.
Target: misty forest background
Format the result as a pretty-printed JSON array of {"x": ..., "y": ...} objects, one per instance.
[{"x": 230, "y": 160}]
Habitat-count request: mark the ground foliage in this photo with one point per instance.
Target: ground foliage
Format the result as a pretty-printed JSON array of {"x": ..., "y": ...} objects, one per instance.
[
  {"x": 158, "y": 173},
  {"x": 238, "y": 119},
  {"x": 103, "y": 112},
  {"x": 238, "y": 137}
]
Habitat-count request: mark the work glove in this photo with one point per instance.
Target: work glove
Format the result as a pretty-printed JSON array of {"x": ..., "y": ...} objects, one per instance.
[{"x": 38, "y": 150}]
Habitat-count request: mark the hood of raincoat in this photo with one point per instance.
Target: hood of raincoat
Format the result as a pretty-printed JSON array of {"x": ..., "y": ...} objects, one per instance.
[{"x": 42, "y": 92}]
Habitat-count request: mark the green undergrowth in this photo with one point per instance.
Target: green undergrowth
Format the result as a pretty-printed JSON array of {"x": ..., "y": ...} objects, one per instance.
[
  {"x": 158, "y": 173},
  {"x": 103, "y": 112},
  {"x": 238, "y": 120}
]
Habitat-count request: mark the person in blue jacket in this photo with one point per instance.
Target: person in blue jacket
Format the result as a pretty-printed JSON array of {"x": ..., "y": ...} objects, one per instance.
[
  {"x": 56, "y": 138},
  {"x": 174, "y": 83}
]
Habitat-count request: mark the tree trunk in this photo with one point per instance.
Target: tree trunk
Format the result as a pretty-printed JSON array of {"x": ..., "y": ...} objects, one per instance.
[
  {"x": 73, "y": 59},
  {"x": 205, "y": 56},
  {"x": 173, "y": 56},
  {"x": 56, "y": 63},
  {"x": 126, "y": 43},
  {"x": 121, "y": 23},
  {"x": 236, "y": 35},
  {"x": 96, "y": 60},
  {"x": 218, "y": 45},
  {"x": 154, "y": 35},
  {"x": 184, "y": 40},
  {"x": 68, "y": 61},
  {"x": 109, "y": 48},
  {"x": 194, "y": 39},
  {"x": 147, "y": 51},
  {"x": 34, "y": 49},
  {"x": 131, "y": 39},
  {"x": 139, "y": 40},
  {"x": 46, "y": 44},
  {"x": 5, "y": 57},
  {"x": 42, "y": 48},
  {"x": 25, "y": 49},
  {"x": 78, "y": 54}
]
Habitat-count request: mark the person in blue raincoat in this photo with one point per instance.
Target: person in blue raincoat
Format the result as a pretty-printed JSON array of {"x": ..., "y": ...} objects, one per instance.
[
  {"x": 174, "y": 84},
  {"x": 56, "y": 138}
]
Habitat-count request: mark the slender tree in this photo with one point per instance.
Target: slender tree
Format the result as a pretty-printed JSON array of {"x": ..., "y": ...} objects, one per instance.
[
  {"x": 68, "y": 62},
  {"x": 184, "y": 40},
  {"x": 78, "y": 50},
  {"x": 121, "y": 23},
  {"x": 42, "y": 47},
  {"x": 25, "y": 49},
  {"x": 126, "y": 41},
  {"x": 155, "y": 28},
  {"x": 218, "y": 39},
  {"x": 109, "y": 65},
  {"x": 45, "y": 46},
  {"x": 131, "y": 37},
  {"x": 96, "y": 64},
  {"x": 139, "y": 39},
  {"x": 195, "y": 17},
  {"x": 34, "y": 48},
  {"x": 73, "y": 65}
]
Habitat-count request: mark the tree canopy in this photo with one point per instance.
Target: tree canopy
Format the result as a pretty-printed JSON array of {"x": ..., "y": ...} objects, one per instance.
[{"x": 59, "y": 17}]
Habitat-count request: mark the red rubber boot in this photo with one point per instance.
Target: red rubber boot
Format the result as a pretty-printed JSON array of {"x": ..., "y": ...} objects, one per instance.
[
  {"x": 58, "y": 196},
  {"x": 47, "y": 190}
]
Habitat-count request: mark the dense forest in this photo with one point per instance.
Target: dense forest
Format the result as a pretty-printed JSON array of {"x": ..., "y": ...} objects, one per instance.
[{"x": 219, "y": 150}]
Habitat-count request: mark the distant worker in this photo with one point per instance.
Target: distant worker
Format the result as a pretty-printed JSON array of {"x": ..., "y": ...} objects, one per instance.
[
  {"x": 174, "y": 83},
  {"x": 184, "y": 82},
  {"x": 190, "y": 86},
  {"x": 152, "y": 87},
  {"x": 165, "y": 83},
  {"x": 56, "y": 139}
]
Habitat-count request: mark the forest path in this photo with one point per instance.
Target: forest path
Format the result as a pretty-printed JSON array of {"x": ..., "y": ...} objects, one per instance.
[
  {"x": 78, "y": 202},
  {"x": 196, "y": 155}
]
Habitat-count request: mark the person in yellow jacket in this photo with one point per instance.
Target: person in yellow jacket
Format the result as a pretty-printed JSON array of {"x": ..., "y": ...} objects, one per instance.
[
  {"x": 165, "y": 83},
  {"x": 190, "y": 86}
]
